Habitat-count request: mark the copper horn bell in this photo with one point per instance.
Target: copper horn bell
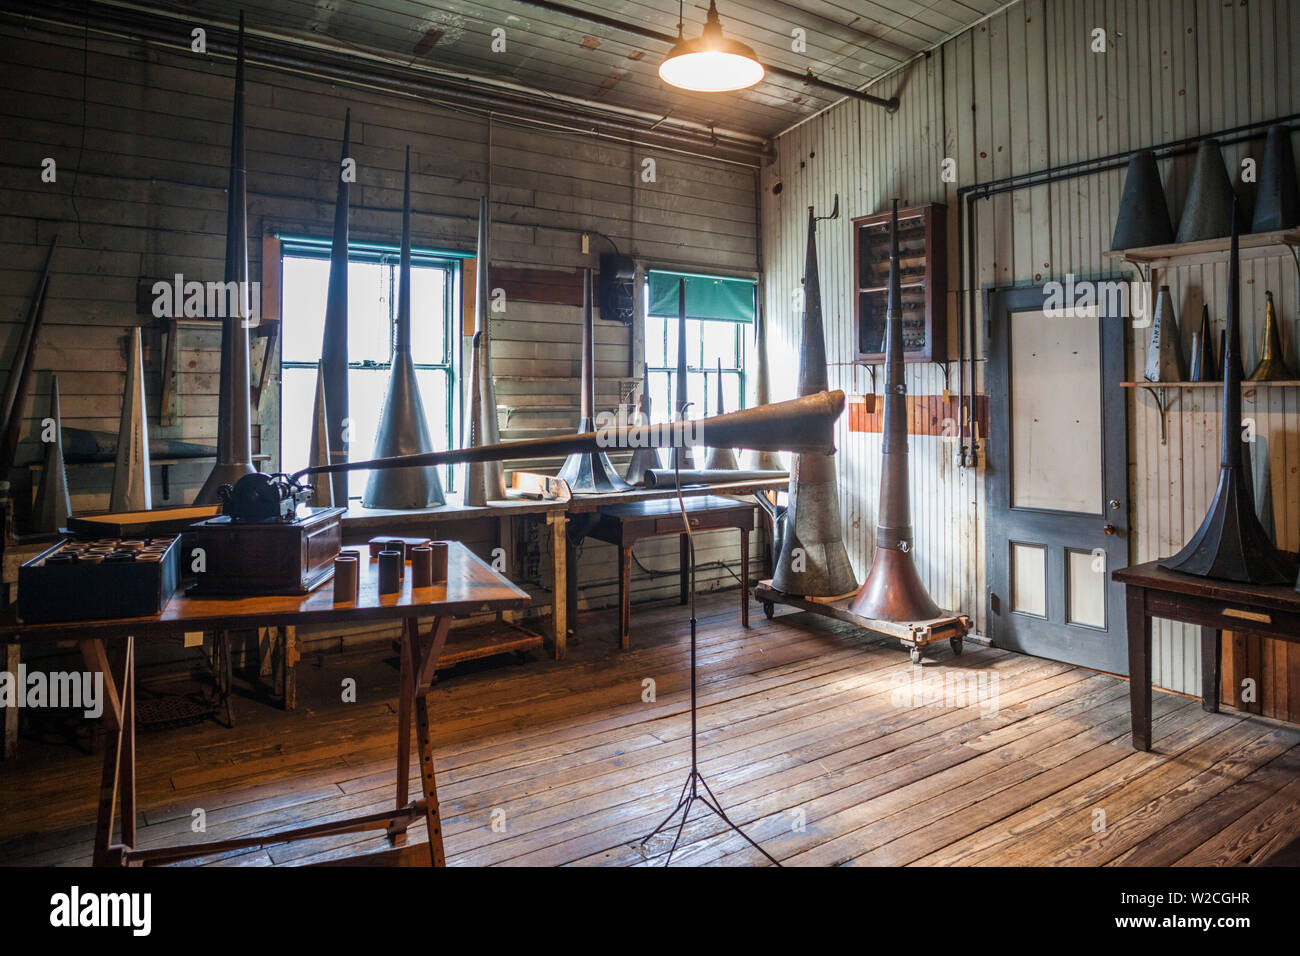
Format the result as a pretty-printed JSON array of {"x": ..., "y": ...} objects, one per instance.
[
  {"x": 762, "y": 460},
  {"x": 644, "y": 458},
  {"x": 721, "y": 459},
  {"x": 803, "y": 425},
  {"x": 893, "y": 590},
  {"x": 403, "y": 429},
  {"x": 812, "y": 561},
  {"x": 1272, "y": 365},
  {"x": 1231, "y": 545},
  {"x": 682, "y": 458},
  {"x": 589, "y": 472},
  {"x": 234, "y": 411},
  {"x": 484, "y": 481},
  {"x": 333, "y": 372}
]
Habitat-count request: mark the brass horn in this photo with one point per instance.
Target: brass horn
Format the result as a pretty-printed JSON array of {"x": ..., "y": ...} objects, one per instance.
[
  {"x": 893, "y": 590},
  {"x": 589, "y": 472},
  {"x": 1231, "y": 545},
  {"x": 333, "y": 399},
  {"x": 1272, "y": 365},
  {"x": 234, "y": 409},
  {"x": 403, "y": 429},
  {"x": 484, "y": 481},
  {"x": 812, "y": 561},
  {"x": 803, "y": 425}
]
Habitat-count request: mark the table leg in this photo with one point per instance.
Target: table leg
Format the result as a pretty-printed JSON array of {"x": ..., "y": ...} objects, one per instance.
[
  {"x": 684, "y": 563},
  {"x": 9, "y": 713},
  {"x": 397, "y": 831},
  {"x": 744, "y": 577},
  {"x": 624, "y": 596},
  {"x": 559, "y": 582},
  {"x": 1211, "y": 656},
  {"x": 118, "y": 761},
  {"x": 126, "y": 776},
  {"x": 425, "y": 662},
  {"x": 1139, "y": 666}
]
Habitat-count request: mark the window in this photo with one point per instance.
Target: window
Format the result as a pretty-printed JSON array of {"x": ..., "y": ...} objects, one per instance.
[
  {"x": 372, "y": 311},
  {"x": 719, "y": 312}
]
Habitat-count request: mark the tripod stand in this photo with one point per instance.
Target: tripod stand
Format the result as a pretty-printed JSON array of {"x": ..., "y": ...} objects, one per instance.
[{"x": 696, "y": 788}]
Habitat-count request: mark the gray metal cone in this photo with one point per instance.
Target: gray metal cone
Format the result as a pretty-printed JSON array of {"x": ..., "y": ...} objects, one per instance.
[
  {"x": 1278, "y": 203},
  {"x": 484, "y": 481},
  {"x": 319, "y": 452},
  {"x": 762, "y": 460},
  {"x": 1143, "y": 212},
  {"x": 1165, "y": 362},
  {"x": 53, "y": 506},
  {"x": 721, "y": 458},
  {"x": 643, "y": 459},
  {"x": 1207, "y": 213},
  {"x": 1204, "y": 367},
  {"x": 132, "y": 490}
]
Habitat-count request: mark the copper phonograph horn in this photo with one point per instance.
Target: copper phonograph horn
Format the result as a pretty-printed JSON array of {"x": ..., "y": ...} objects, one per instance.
[
  {"x": 403, "y": 429},
  {"x": 1230, "y": 544},
  {"x": 333, "y": 399},
  {"x": 812, "y": 561},
  {"x": 589, "y": 472},
  {"x": 484, "y": 481},
  {"x": 893, "y": 590},
  {"x": 234, "y": 409}
]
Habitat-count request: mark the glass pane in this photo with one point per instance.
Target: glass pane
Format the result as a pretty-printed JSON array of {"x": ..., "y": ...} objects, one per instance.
[
  {"x": 297, "y": 401},
  {"x": 670, "y": 343},
  {"x": 660, "y": 396},
  {"x": 428, "y": 315},
  {"x": 369, "y": 317},
  {"x": 1029, "y": 579},
  {"x": 305, "y": 285},
  {"x": 719, "y": 343},
  {"x": 366, "y": 392},
  {"x": 1055, "y": 444},
  {"x": 1087, "y": 588},
  {"x": 656, "y": 346}
]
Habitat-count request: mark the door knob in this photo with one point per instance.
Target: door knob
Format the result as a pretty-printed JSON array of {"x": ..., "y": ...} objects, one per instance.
[{"x": 1109, "y": 529}]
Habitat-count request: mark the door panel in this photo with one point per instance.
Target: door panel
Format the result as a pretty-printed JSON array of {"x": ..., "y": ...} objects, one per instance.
[{"x": 1056, "y": 482}]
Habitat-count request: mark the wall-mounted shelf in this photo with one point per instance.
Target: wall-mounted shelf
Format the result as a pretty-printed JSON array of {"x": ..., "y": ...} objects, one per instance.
[
  {"x": 1259, "y": 245},
  {"x": 1160, "y": 392}
]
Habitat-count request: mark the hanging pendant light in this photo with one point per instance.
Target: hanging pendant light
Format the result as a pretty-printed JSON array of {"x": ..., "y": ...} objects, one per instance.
[{"x": 711, "y": 63}]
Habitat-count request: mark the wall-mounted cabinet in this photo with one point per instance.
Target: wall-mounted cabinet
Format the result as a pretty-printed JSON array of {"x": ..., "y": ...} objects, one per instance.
[{"x": 923, "y": 267}]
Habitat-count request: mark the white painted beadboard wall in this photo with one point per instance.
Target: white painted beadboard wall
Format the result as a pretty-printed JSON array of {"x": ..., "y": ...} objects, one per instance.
[{"x": 1020, "y": 93}]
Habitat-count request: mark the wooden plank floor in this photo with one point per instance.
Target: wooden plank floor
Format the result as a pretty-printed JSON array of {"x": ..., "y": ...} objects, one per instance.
[{"x": 827, "y": 748}]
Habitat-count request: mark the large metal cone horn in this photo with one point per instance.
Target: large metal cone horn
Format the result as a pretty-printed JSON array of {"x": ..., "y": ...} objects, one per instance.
[
  {"x": 319, "y": 453},
  {"x": 53, "y": 506},
  {"x": 1208, "y": 211},
  {"x": 721, "y": 459},
  {"x": 1272, "y": 365},
  {"x": 893, "y": 590},
  {"x": 403, "y": 429},
  {"x": 131, "y": 486},
  {"x": 682, "y": 458},
  {"x": 334, "y": 342},
  {"x": 1143, "y": 212},
  {"x": 1278, "y": 203},
  {"x": 762, "y": 460},
  {"x": 589, "y": 472},
  {"x": 234, "y": 411},
  {"x": 1204, "y": 367},
  {"x": 1165, "y": 362},
  {"x": 1230, "y": 544},
  {"x": 812, "y": 561},
  {"x": 644, "y": 459},
  {"x": 484, "y": 481}
]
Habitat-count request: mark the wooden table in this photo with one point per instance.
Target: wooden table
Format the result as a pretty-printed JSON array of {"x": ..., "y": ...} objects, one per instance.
[
  {"x": 625, "y": 524},
  {"x": 472, "y": 587},
  {"x": 1216, "y": 606}
]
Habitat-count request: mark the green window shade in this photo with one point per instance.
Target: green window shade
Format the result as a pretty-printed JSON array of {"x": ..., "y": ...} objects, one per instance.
[{"x": 707, "y": 297}]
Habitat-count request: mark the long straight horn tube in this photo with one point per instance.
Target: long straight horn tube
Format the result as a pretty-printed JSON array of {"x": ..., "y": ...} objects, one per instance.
[
  {"x": 803, "y": 425},
  {"x": 484, "y": 481},
  {"x": 334, "y": 344},
  {"x": 234, "y": 409},
  {"x": 893, "y": 590},
  {"x": 682, "y": 457},
  {"x": 19, "y": 384}
]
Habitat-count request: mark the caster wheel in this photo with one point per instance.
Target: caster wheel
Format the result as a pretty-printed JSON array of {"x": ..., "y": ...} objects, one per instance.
[
  {"x": 769, "y": 609},
  {"x": 916, "y": 655},
  {"x": 956, "y": 643}
]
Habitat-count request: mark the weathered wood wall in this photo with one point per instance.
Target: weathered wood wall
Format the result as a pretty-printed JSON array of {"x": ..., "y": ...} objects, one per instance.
[
  {"x": 141, "y": 139},
  {"x": 1023, "y": 92}
]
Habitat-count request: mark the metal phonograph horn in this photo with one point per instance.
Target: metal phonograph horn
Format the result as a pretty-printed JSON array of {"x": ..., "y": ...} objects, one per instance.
[
  {"x": 762, "y": 460},
  {"x": 1231, "y": 545},
  {"x": 721, "y": 459},
  {"x": 403, "y": 429},
  {"x": 893, "y": 590},
  {"x": 234, "y": 409},
  {"x": 484, "y": 481},
  {"x": 643, "y": 459},
  {"x": 589, "y": 471},
  {"x": 812, "y": 561},
  {"x": 1272, "y": 365},
  {"x": 803, "y": 425},
  {"x": 332, "y": 398},
  {"x": 667, "y": 478},
  {"x": 682, "y": 458}
]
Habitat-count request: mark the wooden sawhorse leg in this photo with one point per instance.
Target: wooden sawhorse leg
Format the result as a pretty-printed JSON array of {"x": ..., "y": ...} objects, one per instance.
[
  {"x": 118, "y": 780},
  {"x": 419, "y": 663},
  {"x": 558, "y": 522}
]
